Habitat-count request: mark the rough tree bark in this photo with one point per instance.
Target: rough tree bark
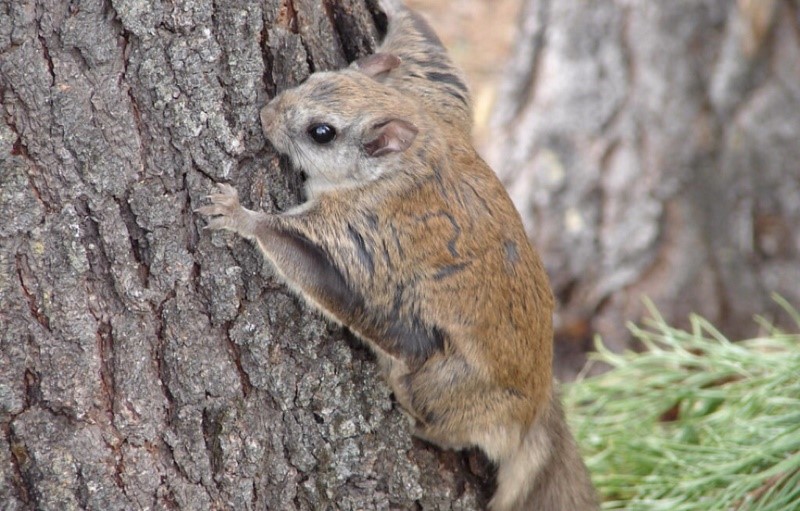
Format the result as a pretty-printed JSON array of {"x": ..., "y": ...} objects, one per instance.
[
  {"x": 146, "y": 364},
  {"x": 654, "y": 148}
]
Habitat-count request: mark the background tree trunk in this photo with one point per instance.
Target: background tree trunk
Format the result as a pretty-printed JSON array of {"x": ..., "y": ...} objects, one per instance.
[
  {"x": 653, "y": 148},
  {"x": 146, "y": 363}
]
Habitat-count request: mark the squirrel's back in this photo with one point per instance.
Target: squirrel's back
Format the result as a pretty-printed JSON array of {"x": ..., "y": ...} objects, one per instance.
[{"x": 425, "y": 70}]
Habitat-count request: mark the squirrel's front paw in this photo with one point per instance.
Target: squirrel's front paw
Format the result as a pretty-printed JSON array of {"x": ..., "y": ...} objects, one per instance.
[{"x": 224, "y": 210}]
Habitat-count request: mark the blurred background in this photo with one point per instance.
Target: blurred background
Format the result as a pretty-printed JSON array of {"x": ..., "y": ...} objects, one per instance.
[{"x": 652, "y": 149}]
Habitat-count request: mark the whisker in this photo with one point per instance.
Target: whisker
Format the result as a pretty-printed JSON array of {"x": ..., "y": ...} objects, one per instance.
[{"x": 307, "y": 164}]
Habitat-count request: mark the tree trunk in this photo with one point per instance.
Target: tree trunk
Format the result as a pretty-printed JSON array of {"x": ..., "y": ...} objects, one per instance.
[
  {"x": 147, "y": 363},
  {"x": 653, "y": 149}
]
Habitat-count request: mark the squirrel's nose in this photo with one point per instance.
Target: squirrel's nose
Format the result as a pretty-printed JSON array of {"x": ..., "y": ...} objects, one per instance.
[{"x": 269, "y": 115}]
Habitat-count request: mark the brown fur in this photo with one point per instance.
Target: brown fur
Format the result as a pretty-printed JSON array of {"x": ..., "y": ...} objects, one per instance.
[
  {"x": 409, "y": 240},
  {"x": 422, "y": 68}
]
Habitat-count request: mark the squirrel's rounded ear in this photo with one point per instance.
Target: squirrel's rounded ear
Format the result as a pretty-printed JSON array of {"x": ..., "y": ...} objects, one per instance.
[
  {"x": 377, "y": 64},
  {"x": 390, "y": 136}
]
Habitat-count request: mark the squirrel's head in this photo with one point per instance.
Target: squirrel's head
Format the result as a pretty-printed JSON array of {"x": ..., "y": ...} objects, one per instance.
[{"x": 345, "y": 129}]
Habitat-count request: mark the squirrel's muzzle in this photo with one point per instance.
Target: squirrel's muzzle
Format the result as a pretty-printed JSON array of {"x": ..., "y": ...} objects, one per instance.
[{"x": 269, "y": 115}]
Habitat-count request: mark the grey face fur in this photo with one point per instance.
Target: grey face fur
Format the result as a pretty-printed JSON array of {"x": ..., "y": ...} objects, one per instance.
[{"x": 374, "y": 125}]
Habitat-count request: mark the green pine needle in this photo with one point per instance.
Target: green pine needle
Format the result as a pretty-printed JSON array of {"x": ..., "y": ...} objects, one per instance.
[{"x": 696, "y": 422}]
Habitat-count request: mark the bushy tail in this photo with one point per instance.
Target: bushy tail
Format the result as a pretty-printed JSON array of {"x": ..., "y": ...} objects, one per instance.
[{"x": 547, "y": 472}]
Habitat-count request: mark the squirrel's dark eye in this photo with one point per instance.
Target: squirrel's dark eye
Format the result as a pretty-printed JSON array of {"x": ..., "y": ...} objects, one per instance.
[{"x": 322, "y": 133}]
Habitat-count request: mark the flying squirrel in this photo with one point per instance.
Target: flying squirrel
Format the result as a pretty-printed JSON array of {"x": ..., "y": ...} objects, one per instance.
[{"x": 408, "y": 239}]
